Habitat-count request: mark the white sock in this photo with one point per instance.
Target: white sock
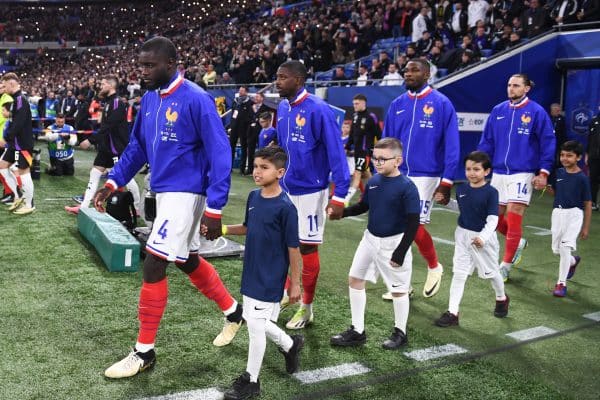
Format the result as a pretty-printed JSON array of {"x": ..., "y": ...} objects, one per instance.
[
  {"x": 350, "y": 194},
  {"x": 278, "y": 336},
  {"x": 11, "y": 181},
  {"x": 133, "y": 187},
  {"x": 565, "y": 264},
  {"x": 438, "y": 268},
  {"x": 498, "y": 285},
  {"x": 27, "y": 189},
  {"x": 506, "y": 265},
  {"x": 358, "y": 303},
  {"x": 308, "y": 308},
  {"x": 457, "y": 288},
  {"x": 256, "y": 347},
  {"x": 231, "y": 309},
  {"x": 90, "y": 191},
  {"x": 401, "y": 307},
  {"x": 143, "y": 347}
]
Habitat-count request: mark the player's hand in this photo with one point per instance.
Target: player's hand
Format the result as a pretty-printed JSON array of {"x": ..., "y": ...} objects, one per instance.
[
  {"x": 438, "y": 197},
  {"x": 444, "y": 190},
  {"x": 335, "y": 210},
  {"x": 294, "y": 292},
  {"x": 477, "y": 242},
  {"x": 539, "y": 181},
  {"x": 213, "y": 226},
  {"x": 85, "y": 144},
  {"x": 100, "y": 198},
  {"x": 584, "y": 234},
  {"x": 397, "y": 259}
]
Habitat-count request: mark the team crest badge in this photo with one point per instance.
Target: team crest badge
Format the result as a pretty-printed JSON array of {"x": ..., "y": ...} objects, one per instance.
[{"x": 171, "y": 116}]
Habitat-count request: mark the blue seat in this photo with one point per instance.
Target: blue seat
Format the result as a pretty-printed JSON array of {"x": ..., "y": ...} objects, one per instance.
[
  {"x": 486, "y": 53},
  {"x": 442, "y": 72}
]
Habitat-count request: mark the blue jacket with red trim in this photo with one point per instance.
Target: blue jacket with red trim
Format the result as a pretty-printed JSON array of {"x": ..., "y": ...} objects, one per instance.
[
  {"x": 179, "y": 133},
  {"x": 426, "y": 124},
  {"x": 519, "y": 138},
  {"x": 308, "y": 132}
]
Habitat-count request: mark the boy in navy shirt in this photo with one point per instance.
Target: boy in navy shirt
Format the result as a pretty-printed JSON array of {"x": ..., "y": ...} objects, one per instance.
[
  {"x": 392, "y": 200},
  {"x": 572, "y": 212},
  {"x": 271, "y": 229},
  {"x": 476, "y": 245},
  {"x": 268, "y": 134}
]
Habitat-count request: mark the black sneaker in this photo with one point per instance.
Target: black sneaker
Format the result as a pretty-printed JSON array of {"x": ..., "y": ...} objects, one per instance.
[
  {"x": 396, "y": 340},
  {"x": 501, "y": 309},
  {"x": 447, "y": 319},
  {"x": 7, "y": 198},
  {"x": 348, "y": 338},
  {"x": 292, "y": 357},
  {"x": 242, "y": 388}
]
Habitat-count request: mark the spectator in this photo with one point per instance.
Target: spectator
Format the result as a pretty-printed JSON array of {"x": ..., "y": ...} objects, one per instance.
[
  {"x": 67, "y": 104},
  {"x": 241, "y": 117},
  {"x": 392, "y": 78},
  {"x": 459, "y": 21},
  {"x": 481, "y": 40},
  {"x": 419, "y": 24},
  {"x": 339, "y": 74},
  {"x": 363, "y": 76},
  {"x": 442, "y": 32},
  {"x": 376, "y": 70},
  {"x": 477, "y": 11},
  {"x": 589, "y": 11},
  {"x": 226, "y": 79},
  {"x": 534, "y": 20},
  {"x": 210, "y": 77},
  {"x": 384, "y": 60},
  {"x": 564, "y": 12},
  {"x": 467, "y": 58},
  {"x": 424, "y": 44}
]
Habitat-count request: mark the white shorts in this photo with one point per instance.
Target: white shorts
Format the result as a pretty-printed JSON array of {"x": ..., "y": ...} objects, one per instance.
[
  {"x": 426, "y": 187},
  {"x": 516, "y": 188},
  {"x": 467, "y": 257},
  {"x": 566, "y": 225},
  {"x": 311, "y": 215},
  {"x": 372, "y": 258},
  {"x": 257, "y": 309},
  {"x": 175, "y": 229}
]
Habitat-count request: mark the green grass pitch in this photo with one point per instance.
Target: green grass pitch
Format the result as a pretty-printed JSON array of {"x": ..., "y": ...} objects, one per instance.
[{"x": 64, "y": 318}]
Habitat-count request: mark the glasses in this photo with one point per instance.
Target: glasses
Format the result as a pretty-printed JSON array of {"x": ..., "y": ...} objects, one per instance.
[{"x": 381, "y": 160}]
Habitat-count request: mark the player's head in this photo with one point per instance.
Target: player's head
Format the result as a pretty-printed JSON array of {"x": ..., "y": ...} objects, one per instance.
[
  {"x": 269, "y": 165},
  {"x": 346, "y": 127},
  {"x": 570, "y": 153},
  {"x": 518, "y": 86},
  {"x": 387, "y": 156},
  {"x": 290, "y": 78},
  {"x": 11, "y": 81},
  {"x": 555, "y": 109},
  {"x": 158, "y": 62},
  {"x": 265, "y": 119},
  {"x": 108, "y": 85},
  {"x": 6, "y": 109},
  {"x": 359, "y": 102},
  {"x": 60, "y": 120},
  {"x": 416, "y": 74},
  {"x": 477, "y": 166}
]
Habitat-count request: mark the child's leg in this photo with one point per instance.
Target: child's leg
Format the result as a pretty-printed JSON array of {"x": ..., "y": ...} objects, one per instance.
[
  {"x": 256, "y": 346},
  {"x": 401, "y": 308},
  {"x": 566, "y": 260},
  {"x": 358, "y": 304},
  {"x": 457, "y": 288},
  {"x": 498, "y": 286},
  {"x": 278, "y": 336}
]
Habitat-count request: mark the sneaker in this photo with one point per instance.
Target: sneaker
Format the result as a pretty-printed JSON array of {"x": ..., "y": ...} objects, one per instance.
[
  {"x": 134, "y": 363},
  {"x": 16, "y": 204},
  {"x": 501, "y": 309},
  {"x": 230, "y": 329},
  {"x": 77, "y": 199},
  {"x": 447, "y": 319},
  {"x": 242, "y": 388},
  {"x": 348, "y": 338},
  {"x": 72, "y": 210},
  {"x": 388, "y": 295},
  {"x": 519, "y": 253},
  {"x": 396, "y": 340},
  {"x": 433, "y": 282},
  {"x": 292, "y": 357},
  {"x": 300, "y": 319},
  {"x": 24, "y": 210},
  {"x": 560, "y": 290},
  {"x": 284, "y": 303},
  {"x": 7, "y": 198},
  {"x": 572, "y": 268},
  {"x": 504, "y": 272}
]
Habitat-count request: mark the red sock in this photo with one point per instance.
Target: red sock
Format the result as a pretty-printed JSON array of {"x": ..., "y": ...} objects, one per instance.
[
  {"x": 513, "y": 235},
  {"x": 502, "y": 225},
  {"x": 425, "y": 245},
  {"x": 361, "y": 187},
  {"x": 153, "y": 301},
  {"x": 288, "y": 282},
  {"x": 310, "y": 274},
  {"x": 19, "y": 182},
  {"x": 207, "y": 280}
]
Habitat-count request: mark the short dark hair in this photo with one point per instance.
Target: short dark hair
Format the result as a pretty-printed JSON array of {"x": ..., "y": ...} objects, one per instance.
[
  {"x": 389, "y": 143},
  {"x": 60, "y": 115},
  {"x": 296, "y": 67},
  {"x": 360, "y": 96},
  {"x": 525, "y": 77},
  {"x": 479, "y": 157},
  {"x": 113, "y": 80},
  {"x": 572, "y": 146},
  {"x": 265, "y": 115},
  {"x": 424, "y": 63},
  {"x": 273, "y": 154},
  {"x": 160, "y": 45}
]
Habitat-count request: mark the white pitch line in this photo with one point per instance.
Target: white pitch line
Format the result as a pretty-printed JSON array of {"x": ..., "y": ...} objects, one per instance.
[
  {"x": 355, "y": 219},
  {"x": 443, "y": 241},
  {"x": 531, "y": 333},
  {"x": 434, "y": 352},
  {"x": 595, "y": 316},
  {"x": 200, "y": 394},
  {"x": 540, "y": 231},
  {"x": 324, "y": 374},
  {"x": 445, "y": 209}
]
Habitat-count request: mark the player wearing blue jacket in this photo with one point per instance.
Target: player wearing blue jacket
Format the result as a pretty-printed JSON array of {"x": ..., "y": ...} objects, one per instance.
[
  {"x": 179, "y": 133},
  {"x": 309, "y": 134},
  {"x": 424, "y": 120},
  {"x": 519, "y": 138}
]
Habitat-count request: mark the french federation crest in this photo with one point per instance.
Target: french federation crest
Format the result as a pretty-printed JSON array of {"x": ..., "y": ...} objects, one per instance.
[{"x": 580, "y": 119}]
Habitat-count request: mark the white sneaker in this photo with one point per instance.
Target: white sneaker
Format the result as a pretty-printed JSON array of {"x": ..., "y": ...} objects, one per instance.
[
  {"x": 433, "y": 282},
  {"x": 300, "y": 319},
  {"x": 519, "y": 253},
  {"x": 284, "y": 303},
  {"x": 24, "y": 210},
  {"x": 388, "y": 295},
  {"x": 131, "y": 365},
  {"x": 230, "y": 329},
  {"x": 16, "y": 204}
]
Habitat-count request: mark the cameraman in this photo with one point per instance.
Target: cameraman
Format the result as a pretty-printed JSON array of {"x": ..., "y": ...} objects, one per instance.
[{"x": 61, "y": 139}]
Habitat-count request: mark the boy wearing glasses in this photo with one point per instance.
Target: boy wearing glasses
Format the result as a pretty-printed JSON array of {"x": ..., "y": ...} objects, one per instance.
[{"x": 385, "y": 247}]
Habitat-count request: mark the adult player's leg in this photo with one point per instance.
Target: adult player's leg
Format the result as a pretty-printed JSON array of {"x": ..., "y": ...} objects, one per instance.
[
  {"x": 102, "y": 162},
  {"x": 6, "y": 160}
]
